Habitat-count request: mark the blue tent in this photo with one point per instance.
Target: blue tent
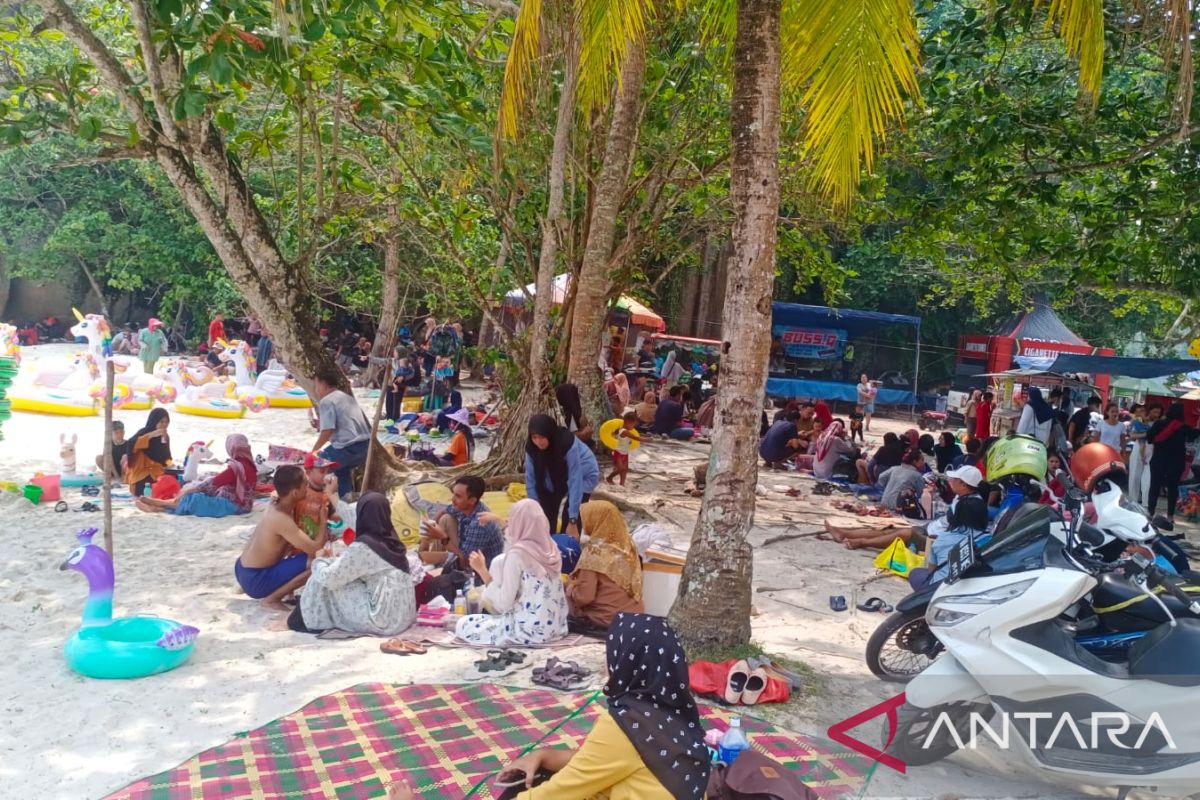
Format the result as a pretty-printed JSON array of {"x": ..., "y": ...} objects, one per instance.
[
  {"x": 855, "y": 323},
  {"x": 1127, "y": 367}
]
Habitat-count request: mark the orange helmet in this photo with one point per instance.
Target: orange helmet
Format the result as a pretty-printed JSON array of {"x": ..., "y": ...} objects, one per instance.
[{"x": 1092, "y": 462}]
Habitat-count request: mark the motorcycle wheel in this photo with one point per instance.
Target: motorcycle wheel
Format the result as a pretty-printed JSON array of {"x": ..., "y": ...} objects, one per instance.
[
  {"x": 913, "y": 727},
  {"x": 902, "y": 646}
]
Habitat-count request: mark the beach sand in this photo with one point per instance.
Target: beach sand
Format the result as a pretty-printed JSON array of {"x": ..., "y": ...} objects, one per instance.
[{"x": 66, "y": 736}]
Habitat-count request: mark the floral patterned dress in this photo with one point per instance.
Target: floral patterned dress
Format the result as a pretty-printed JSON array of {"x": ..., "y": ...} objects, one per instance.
[{"x": 527, "y": 608}]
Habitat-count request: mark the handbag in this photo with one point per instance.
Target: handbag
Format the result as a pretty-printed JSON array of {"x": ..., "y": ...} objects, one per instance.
[{"x": 754, "y": 776}]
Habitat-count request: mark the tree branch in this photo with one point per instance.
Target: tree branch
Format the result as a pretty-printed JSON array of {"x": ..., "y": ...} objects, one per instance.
[{"x": 141, "y": 23}]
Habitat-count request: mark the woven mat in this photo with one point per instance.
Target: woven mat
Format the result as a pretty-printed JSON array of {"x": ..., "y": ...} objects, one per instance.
[{"x": 448, "y": 740}]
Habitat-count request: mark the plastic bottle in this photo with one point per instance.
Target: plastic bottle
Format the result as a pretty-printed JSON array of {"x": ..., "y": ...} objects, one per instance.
[
  {"x": 733, "y": 742},
  {"x": 460, "y": 603},
  {"x": 473, "y": 597}
]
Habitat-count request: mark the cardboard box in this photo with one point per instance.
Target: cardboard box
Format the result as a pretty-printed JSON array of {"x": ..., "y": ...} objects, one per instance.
[{"x": 662, "y": 569}]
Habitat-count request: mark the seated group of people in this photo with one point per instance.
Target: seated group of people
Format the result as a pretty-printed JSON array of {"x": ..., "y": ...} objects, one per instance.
[{"x": 376, "y": 584}]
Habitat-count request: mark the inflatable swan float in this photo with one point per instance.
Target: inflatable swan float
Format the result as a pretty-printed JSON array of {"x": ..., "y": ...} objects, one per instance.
[{"x": 127, "y": 647}]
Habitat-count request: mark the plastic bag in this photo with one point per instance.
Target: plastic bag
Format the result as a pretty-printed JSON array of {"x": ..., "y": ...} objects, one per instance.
[{"x": 897, "y": 558}]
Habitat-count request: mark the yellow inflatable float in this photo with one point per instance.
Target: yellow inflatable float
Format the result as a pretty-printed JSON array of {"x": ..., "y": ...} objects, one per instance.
[{"x": 52, "y": 401}]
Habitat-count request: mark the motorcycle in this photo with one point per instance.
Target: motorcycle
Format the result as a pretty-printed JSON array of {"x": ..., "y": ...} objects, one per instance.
[
  {"x": 1107, "y": 622},
  {"x": 1008, "y": 654}
]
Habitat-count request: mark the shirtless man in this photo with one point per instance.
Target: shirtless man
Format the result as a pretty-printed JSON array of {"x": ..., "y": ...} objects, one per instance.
[{"x": 265, "y": 570}]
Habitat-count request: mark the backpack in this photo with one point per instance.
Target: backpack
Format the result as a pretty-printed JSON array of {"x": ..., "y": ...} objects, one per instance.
[
  {"x": 443, "y": 341},
  {"x": 754, "y": 776},
  {"x": 908, "y": 505}
]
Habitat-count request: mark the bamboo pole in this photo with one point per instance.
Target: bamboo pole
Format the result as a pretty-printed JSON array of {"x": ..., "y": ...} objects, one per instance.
[{"x": 109, "y": 380}]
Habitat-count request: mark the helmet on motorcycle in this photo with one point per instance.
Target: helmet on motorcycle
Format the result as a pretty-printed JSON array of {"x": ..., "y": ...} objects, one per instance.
[
  {"x": 1092, "y": 462},
  {"x": 1016, "y": 454}
]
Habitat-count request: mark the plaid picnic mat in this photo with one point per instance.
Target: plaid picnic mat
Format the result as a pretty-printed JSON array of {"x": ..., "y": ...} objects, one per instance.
[{"x": 449, "y": 740}]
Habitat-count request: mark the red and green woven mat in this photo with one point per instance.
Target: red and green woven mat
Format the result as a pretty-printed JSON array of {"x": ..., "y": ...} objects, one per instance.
[{"x": 448, "y": 740}]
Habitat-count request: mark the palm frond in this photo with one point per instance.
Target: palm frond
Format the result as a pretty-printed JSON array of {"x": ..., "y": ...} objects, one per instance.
[
  {"x": 857, "y": 60},
  {"x": 1081, "y": 27},
  {"x": 518, "y": 69},
  {"x": 607, "y": 28}
]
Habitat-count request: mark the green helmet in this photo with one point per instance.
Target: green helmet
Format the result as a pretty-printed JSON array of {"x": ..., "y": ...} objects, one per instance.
[{"x": 1016, "y": 454}]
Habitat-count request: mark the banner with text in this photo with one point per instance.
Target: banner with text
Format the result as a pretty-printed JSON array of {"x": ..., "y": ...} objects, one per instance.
[{"x": 825, "y": 344}]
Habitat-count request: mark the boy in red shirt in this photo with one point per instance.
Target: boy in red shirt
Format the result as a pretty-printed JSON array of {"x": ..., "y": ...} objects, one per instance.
[
  {"x": 216, "y": 329},
  {"x": 312, "y": 514}
]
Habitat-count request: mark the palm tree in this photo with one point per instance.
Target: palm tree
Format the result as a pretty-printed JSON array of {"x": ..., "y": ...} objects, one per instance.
[
  {"x": 851, "y": 64},
  {"x": 854, "y": 60}
]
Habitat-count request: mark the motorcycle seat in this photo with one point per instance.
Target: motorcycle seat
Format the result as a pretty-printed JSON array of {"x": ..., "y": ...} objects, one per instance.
[{"x": 1168, "y": 654}]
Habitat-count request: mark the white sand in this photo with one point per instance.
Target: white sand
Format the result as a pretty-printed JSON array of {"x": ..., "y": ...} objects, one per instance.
[{"x": 65, "y": 736}]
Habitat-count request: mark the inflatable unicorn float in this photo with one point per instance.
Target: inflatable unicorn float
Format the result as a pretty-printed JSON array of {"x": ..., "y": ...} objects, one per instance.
[
  {"x": 71, "y": 387},
  {"x": 127, "y": 647},
  {"x": 272, "y": 383}
]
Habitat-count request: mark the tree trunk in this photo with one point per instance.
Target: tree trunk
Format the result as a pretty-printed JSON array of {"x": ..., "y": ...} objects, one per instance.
[
  {"x": 378, "y": 372},
  {"x": 96, "y": 290},
  {"x": 276, "y": 290},
  {"x": 5, "y": 283},
  {"x": 553, "y": 227},
  {"x": 713, "y": 606},
  {"x": 593, "y": 285}
]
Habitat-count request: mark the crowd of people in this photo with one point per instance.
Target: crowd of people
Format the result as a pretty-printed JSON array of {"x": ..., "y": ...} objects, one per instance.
[{"x": 1152, "y": 440}]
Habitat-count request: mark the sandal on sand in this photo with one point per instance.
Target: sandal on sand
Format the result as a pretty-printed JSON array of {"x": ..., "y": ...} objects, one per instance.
[
  {"x": 837, "y": 602},
  {"x": 559, "y": 677},
  {"x": 401, "y": 647},
  {"x": 506, "y": 656},
  {"x": 492, "y": 665},
  {"x": 874, "y": 604}
]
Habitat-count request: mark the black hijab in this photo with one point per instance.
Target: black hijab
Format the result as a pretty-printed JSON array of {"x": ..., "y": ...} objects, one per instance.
[
  {"x": 1041, "y": 409},
  {"x": 648, "y": 698},
  {"x": 156, "y": 448},
  {"x": 374, "y": 529},
  {"x": 946, "y": 453},
  {"x": 567, "y": 395},
  {"x": 553, "y": 460}
]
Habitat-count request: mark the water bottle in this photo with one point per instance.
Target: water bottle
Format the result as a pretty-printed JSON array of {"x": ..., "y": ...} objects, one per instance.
[
  {"x": 460, "y": 603},
  {"x": 733, "y": 742}
]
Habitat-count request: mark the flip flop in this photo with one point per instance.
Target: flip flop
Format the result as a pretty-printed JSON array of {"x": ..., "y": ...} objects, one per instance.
[
  {"x": 492, "y": 665},
  {"x": 837, "y": 602},
  {"x": 506, "y": 656},
  {"x": 61, "y": 506},
  {"x": 873, "y": 605},
  {"x": 402, "y": 647}
]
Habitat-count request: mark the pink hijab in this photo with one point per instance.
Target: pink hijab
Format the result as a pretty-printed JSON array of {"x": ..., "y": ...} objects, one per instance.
[
  {"x": 834, "y": 431},
  {"x": 528, "y": 533},
  {"x": 621, "y": 384},
  {"x": 238, "y": 448}
]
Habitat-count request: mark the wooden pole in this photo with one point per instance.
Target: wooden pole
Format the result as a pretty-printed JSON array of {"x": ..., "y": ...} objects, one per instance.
[{"x": 109, "y": 380}]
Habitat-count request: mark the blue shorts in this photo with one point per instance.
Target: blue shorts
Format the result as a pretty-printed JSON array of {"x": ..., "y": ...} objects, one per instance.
[
  {"x": 259, "y": 582},
  {"x": 199, "y": 504},
  {"x": 869, "y": 408}
]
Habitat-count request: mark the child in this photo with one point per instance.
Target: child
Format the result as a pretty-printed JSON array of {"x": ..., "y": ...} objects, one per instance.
[
  {"x": 626, "y": 436},
  {"x": 314, "y": 510},
  {"x": 276, "y": 560},
  {"x": 856, "y": 425},
  {"x": 120, "y": 448}
]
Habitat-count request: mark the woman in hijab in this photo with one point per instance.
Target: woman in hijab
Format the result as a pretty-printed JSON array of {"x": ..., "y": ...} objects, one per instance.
[
  {"x": 832, "y": 456},
  {"x": 608, "y": 577},
  {"x": 522, "y": 589},
  {"x": 369, "y": 588},
  {"x": 1169, "y": 436},
  {"x": 946, "y": 451},
  {"x": 618, "y": 393},
  {"x": 576, "y": 421},
  {"x": 149, "y": 452},
  {"x": 1036, "y": 417},
  {"x": 650, "y": 744},
  {"x": 821, "y": 411},
  {"x": 646, "y": 410},
  {"x": 558, "y": 466},
  {"x": 452, "y": 407},
  {"x": 229, "y": 492}
]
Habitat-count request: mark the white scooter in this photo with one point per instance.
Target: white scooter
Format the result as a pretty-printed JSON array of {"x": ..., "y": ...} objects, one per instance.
[{"x": 1011, "y": 672}]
